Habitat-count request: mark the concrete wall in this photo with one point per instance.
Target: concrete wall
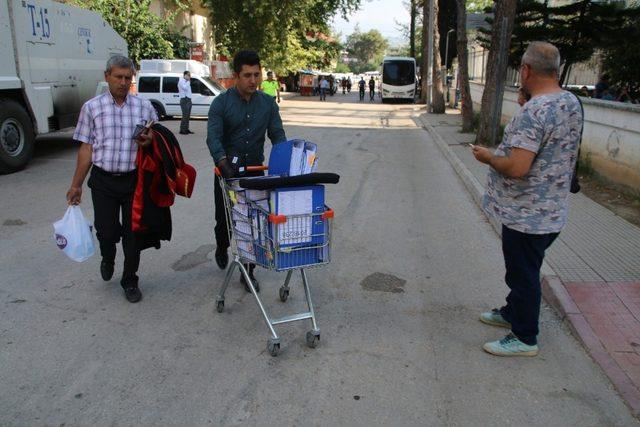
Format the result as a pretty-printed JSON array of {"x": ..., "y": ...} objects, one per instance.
[{"x": 611, "y": 140}]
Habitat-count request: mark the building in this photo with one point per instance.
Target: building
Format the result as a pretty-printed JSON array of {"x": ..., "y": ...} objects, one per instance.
[{"x": 195, "y": 24}]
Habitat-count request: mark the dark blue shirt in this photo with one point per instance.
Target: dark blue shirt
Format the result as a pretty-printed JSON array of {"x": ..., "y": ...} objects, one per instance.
[{"x": 238, "y": 127}]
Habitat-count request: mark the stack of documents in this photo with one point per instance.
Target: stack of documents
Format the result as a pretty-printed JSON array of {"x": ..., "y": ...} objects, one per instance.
[{"x": 292, "y": 158}]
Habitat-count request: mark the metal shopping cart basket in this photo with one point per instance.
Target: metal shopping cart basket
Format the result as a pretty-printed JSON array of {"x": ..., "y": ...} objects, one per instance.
[{"x": 274, "y": 242}]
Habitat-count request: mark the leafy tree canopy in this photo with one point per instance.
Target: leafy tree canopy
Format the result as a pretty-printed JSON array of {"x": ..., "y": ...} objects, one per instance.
[
  {"x": 287, "y": 36},
  {"x": 577, "y": 29},
  {"x": 147, "y": 35},
  {"x": 367, "y": 48}
]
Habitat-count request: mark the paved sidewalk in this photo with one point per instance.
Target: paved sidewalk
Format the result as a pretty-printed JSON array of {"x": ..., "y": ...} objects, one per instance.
[{"x": 591, "y": 273}]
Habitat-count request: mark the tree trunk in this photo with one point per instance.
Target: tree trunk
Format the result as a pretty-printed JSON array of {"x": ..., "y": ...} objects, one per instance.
[
  {"x": 466, "y": 105},
  {"x": 491, "y": 107},
  {"x": 438, "y": 105},
  {"x": 412, "y": 29},
  {"x": 424, "y": 74}
]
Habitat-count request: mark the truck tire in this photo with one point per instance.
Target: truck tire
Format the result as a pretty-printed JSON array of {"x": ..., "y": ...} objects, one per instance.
[{"x": 17, "y": 136}]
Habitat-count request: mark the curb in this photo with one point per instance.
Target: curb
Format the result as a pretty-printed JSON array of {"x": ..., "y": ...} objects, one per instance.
[
  {"x": 556, "y": 294},
  {"x": 553, "y": 291}
]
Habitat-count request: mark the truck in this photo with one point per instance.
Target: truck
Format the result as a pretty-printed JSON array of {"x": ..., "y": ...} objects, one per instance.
[{"x": 53, "y": 56}]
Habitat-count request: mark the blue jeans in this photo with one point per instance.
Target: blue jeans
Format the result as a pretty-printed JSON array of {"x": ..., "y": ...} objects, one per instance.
[
  {"x": 523, "y": 256},
  {"x": 323, "y": 94}
]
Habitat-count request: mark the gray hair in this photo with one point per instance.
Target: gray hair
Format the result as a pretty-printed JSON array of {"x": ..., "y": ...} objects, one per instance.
[
  {"x": 120, "y": 61},
  {"x": 543, "y": 58}
]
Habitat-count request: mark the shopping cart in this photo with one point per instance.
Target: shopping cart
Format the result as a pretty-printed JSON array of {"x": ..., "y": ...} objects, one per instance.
[{"x": 274, "y": 242}]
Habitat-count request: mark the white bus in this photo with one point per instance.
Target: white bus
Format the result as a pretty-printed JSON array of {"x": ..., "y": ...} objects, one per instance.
[{"x": 398, "y": 78}]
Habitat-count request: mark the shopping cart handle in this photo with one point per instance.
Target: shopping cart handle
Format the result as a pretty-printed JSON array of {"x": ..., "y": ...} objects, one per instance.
[{"x": 248, "y": 169}]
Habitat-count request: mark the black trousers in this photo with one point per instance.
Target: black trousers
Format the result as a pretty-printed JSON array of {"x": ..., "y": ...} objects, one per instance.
[
  {"x": 221, "y": 228},
  {"x": 113, "y": 196},
  {"x": 185, "y": 106},
  {"x": 523, "y": 256}
]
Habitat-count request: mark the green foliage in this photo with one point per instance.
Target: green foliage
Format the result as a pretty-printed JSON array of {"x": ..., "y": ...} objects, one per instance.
[
  {"x": 577, "y": 29},
  {"x": 287, "y": 36},
  {"x": 366, "y": 47},
  {"x": 179, "y": 44},
  {"x": 342, "y": 68},
  {"x": 620, "y": 60},
  {"x": 145, "y": 33},
  {"x": 478, "y": 6}
]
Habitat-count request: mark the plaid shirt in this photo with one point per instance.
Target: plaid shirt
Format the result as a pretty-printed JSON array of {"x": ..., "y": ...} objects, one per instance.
[{"x": 109, "y": 128}]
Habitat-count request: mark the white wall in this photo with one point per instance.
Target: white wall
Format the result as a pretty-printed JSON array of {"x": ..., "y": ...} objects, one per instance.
[{"x": 611, "y": 139}]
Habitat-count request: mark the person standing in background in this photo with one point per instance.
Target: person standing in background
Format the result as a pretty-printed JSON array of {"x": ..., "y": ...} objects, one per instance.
[
  {"x": 271, "y": 86},
  {"x": 184, "y": 92}
]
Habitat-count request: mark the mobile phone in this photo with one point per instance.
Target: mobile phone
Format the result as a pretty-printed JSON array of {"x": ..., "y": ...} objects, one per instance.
[{"x": 140, "y": 129}]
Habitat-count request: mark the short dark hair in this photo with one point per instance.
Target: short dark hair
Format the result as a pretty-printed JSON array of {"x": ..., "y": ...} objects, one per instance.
[
  {"x": 186, "y": 72},
  {"x": 245, "y": 57}
]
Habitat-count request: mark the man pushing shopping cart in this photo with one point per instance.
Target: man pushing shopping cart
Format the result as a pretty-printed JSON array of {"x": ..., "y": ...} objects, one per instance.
[{"x": 238, "y": 121}]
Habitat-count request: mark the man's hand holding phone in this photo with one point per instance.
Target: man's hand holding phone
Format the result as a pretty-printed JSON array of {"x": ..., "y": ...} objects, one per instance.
[
  {"x": 481, "y": 154},
  {"x": 142, "y": 135}
]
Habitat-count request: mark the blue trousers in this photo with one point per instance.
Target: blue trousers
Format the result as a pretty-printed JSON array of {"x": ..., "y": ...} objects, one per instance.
[{"x": 523, "y": 256}]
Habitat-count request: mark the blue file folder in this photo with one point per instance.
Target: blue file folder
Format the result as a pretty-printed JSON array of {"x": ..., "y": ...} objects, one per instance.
[
  {"x": 289, "y": 158},
  {"x": 298, "y": 236}
]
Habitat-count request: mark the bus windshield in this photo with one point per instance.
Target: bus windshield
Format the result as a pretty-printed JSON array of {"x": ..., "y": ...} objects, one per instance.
[{"x": 398, "y": 73}]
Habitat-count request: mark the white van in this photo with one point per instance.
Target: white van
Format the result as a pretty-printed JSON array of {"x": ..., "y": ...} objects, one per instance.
[{"x": 157, "y": 81}]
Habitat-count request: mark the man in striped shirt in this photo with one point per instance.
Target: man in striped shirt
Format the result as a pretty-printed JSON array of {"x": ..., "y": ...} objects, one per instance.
[{"x": 105, "y": 130}]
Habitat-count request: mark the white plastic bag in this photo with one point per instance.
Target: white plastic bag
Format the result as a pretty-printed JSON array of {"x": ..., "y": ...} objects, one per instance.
[{"x": 73, "y": 235}]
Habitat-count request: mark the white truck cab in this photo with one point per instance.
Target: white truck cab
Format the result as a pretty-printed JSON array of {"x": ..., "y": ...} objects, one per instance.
[
  {"x": 157, "y": 81},
  {"x": 53, "y": 56}
]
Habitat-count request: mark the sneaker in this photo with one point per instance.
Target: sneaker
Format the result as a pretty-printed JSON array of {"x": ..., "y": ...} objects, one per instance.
[
  {"x": 132, "y": 294},
  {"x": 494, "y": 318},
  {"x": 106, "y": 270},
  {"x": 510, "y": 346}
]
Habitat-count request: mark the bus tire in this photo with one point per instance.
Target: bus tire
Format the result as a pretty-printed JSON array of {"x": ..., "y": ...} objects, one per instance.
[{"x": 17, "y": 136}]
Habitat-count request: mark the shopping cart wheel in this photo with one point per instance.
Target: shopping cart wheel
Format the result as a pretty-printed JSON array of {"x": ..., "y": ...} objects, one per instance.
[
  {"x": 313, "y": 338},
  {"x": 284, "y": 293},
  {"x": 273, "y": 346},
  {"x": 220, "y": 306}
]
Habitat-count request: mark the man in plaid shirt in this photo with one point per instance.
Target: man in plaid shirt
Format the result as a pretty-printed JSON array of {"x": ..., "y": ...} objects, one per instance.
[{"x": 105, "y": 130}]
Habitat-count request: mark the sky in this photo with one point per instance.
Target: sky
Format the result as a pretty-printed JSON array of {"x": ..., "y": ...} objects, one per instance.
[{"x": 375, "y": 14}]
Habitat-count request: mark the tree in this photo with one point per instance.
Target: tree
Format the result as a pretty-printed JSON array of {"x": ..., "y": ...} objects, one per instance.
[
  {"x": 437, "y": 103},
  {"x": 145, "y": 33},
  {"x": 466, "y": 104},
  {"x": 413, "y": 14},
  {"x": 477, "y": 6},
  {"x": 620, "y": 60},
  {"x": 491, "y": 107},
  {"x": 424, "y": 74},
  {"x": 368, "y": 48},
  {"x": 287, "y": 37},
  {"x": 578, "y": 29}
]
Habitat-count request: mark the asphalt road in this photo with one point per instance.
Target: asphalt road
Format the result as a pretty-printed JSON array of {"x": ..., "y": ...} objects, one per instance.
[{"x": 414, "y": 263}]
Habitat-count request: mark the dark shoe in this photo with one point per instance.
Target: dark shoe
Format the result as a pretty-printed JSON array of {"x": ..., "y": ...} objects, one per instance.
[
  {"x": 190, "y": 132},
  {"x": 255, "y": 282},
  {"x": 106, "y": 270},
  {"x": 222, "y": 258},
  {"x": 183, "y": 133},
  {"x": 132, "y": 294}
]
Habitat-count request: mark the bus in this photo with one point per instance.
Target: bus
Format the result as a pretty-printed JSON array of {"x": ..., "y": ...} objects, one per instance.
[{"x": 398, "y": 78}]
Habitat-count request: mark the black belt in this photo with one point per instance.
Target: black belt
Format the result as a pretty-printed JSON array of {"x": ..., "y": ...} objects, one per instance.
[{"x": 107, "y": 173}]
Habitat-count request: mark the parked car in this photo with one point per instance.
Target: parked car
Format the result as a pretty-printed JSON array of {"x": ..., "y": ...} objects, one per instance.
[{"x": 160, "y": 87}]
